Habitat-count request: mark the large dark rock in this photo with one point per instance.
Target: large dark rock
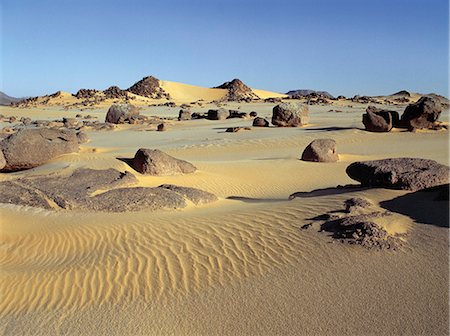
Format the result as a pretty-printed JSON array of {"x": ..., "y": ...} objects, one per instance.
[
  {"x": 121, "y": 113},
  {"x": 97, "y": 190},
  {"x": 260, "y": 122},
  {"x": 156, "y": 162},
  {"x": 290, "y": 115},
  {"x": 388, "y": 115},
  {"x": 29, "y": 148},
  {"x": 219, "y": 114},
  {"x": 399, "y": 173},
  {"x": 321, "y": 150},
  {"x": 374, "y": 122},
  {"x": 421, "y": 114}
]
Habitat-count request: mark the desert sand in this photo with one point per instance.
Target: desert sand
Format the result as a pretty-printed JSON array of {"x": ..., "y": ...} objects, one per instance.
[{"x": 242, "y": 265}]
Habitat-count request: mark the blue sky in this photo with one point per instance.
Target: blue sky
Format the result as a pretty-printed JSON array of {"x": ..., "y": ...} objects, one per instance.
[{"x": 345, "y": 47}]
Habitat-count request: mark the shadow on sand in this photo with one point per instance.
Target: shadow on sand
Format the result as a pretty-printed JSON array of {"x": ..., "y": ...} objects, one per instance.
[
  {"x": 429, "y": 206},
  {"x": 333, "y": 128}
]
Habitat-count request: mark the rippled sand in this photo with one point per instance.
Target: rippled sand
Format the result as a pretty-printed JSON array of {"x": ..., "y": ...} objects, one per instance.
[{"x": 238, "y": 266}]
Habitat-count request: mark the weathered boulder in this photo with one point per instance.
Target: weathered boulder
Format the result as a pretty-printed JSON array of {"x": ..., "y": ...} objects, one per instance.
[
  {"x": 219, "y": 114},
  {"x": 253, "y": 114},
  {"x": 97, "y": 190},
  {"x": 388, "y": 115},
  {"x": 184, "y": 115},
  {"x": 237, "y": 114},
  {"x": 377, "y": 123},
  {"x": 399, "y": 173},
  {"x": 421, "y": 114},
  {"x": 321, "y": 150},
  {"x": 290, "y": 115},
  {"x": 121, "y": 113},
  {"x": 156, "y": 162},
  {"x": 260, "y": 122},
  {"x": 29, "y": 148}
]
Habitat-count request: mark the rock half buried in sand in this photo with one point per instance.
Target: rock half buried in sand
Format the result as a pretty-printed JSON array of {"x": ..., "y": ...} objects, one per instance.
[
  {"x": 360, "y": 224},
  {"x": 196, "y": 196},
  {"x": 97, "y": 190},
  {"x": 184, "y": 115},
  {"x": 121, "y": 113},
  {"x": 29, "y": 148},
  {"x": 156, "y": 162},
  {"x": 321, "y": 150},
  {"x": 399, "y": 173},
  {"x": 421, "y": 114},
  {"x": 290, "y": 115}
]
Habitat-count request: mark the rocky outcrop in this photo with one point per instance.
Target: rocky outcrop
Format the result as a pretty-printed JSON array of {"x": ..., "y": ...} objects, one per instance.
[
  {"x": 399, "y": 173},
  {"x": 422, "y": 114},
  {"x": 149, "y": 87},
  {"x": 114, "y": 92},
  {"x": 85, "y": 93},
  {"x": 238, "y": 91},
  {"x": 32, "y": 147},
  {"x": 85, "y": 189},
  {"x": 260, "y": 122},
  {"x": 296, "y": 94},
  {"x": 321, "y": 150},
  {"x": 156, "y": 162},
  {"x": 121, "y": 113},
  {"x": 290, "y": 115}
]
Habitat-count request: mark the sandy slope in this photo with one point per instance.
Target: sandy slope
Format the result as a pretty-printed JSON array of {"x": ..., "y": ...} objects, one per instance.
[{"x": 239, "y": 266}]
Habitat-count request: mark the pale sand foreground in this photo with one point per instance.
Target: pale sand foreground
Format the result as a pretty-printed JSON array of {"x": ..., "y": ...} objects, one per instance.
[{"x": 236, "y": 266}]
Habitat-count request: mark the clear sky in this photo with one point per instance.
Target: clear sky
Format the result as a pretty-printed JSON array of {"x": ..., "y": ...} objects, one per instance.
[{"x": 343, "y": 46}]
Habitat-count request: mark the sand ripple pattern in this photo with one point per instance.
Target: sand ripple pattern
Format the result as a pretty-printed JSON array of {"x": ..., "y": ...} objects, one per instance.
[{"x": 67, "y": 264}]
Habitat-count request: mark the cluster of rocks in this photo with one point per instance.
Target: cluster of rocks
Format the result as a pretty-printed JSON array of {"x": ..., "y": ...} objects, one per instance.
[
  {"x": 86, "y": 93},
  {"x": 114, "y": 92},
  {"x": 149, "y": 87},
  {"x": 399, "y": 173},
  {"x": 238, "y": 91},
  {"x": 357, "y": 225},
  {"x": 84, "y": 189},
  {"x": 422, "y": 114}
]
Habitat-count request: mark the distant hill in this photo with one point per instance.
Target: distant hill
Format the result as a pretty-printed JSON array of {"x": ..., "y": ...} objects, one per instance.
[
  {"x": 7, "y": 100},
  {"x": 305, "y": 92}
]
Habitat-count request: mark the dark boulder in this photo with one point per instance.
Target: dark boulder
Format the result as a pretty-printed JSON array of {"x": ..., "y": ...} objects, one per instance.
[
  {"x": 421, "y": 114},
  {"x": 161, "y": 127},
  {"x": 290, "y": 115},
  {"x": 121, "y": 113},
  {"x": 399, "y": 173},
  {"x": 29, "y": 148},
  {"x": 390, "y": 116},
  {"x": 156, "y": 162},
  {"x": 321, "y": 150},
  {"x": 377, "y": 123},
  {"x": 260, "y": 122}
]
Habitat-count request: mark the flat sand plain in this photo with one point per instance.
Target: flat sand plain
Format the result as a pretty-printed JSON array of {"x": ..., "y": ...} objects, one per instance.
[{"x": 242, "y": 265}]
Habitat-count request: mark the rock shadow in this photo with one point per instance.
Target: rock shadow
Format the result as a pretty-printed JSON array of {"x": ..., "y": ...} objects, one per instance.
[{"x": 428, "y": 206}]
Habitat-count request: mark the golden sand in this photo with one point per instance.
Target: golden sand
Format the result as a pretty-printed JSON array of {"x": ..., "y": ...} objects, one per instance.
[{"x": 240, "y": 266}]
